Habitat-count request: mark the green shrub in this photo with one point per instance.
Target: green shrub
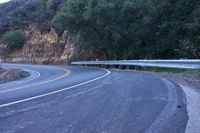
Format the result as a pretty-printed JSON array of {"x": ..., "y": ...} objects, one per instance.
[
  {"x": 14, "y": 39},
  {"x": 195, "y": 72}
]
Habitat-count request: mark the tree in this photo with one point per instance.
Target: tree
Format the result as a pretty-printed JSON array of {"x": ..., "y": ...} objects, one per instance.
[
  {"x": 14, "y": 39},
  {"x": 117, "y": 29}
]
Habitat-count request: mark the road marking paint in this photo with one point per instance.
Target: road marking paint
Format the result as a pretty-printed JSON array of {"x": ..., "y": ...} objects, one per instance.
[
  {"x": 58, "y": 91},
  {"x": 67, "y": 72}
]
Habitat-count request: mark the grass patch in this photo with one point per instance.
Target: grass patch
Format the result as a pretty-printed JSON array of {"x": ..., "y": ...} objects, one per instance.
[
  {"x": 159, "y": 69},
  {"x": 195, "y": 72}
]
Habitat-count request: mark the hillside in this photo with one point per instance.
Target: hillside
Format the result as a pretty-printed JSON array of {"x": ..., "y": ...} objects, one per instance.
[
  {"x": 106, "y": 29},
  {"x": 17, "y": 14}
]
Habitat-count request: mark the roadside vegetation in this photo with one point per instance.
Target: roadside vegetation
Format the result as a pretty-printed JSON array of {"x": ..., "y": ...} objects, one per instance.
[
  {"x": 159, "y": 69},
  {"x": 134, "y": 29},
  {"x": 195, "y": 72},
  {"x": 14, "y": 39},
  {"x": 117, "y": 29}
]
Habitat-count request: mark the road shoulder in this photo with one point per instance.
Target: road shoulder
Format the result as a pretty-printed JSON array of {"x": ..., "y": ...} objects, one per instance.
[{"x": 191, "y": 86}]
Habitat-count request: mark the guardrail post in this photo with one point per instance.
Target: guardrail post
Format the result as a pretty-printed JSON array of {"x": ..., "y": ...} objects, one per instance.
[
  {"x": 127, "y": 67},
  {"x": 122, "y": 67}
]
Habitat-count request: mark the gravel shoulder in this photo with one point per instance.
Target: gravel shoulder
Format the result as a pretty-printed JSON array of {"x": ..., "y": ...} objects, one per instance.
[
  {"x": 7, "y": 75},
  {"x": 185, "y": 79},
  {"x": 191, "y": 86}
]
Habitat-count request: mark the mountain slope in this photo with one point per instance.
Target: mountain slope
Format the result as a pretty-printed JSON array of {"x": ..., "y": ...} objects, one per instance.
[
  {"x": 19, "y": 13},
  {"x": 113, "y": 29}
]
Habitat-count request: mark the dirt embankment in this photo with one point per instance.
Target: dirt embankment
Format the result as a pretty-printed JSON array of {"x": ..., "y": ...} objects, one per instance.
[
  {"x": 47, "y": 48},
  {"x": 44, "y": 47},
  {"x": 7, "y": 75}
]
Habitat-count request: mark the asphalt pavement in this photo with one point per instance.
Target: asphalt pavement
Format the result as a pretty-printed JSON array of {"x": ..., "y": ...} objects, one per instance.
[{"x": 72, "y": 99}]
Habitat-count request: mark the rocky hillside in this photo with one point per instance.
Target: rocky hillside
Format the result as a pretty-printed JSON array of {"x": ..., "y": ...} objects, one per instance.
[
  {"x": 57, "y": 31},
  {"x": 45, "y": 47},
  {"x": 44, "y": 43}
]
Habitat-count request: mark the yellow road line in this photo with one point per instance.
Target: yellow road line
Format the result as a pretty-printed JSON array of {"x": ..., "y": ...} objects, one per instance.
[
  {"x": 67, "y": 72},
  {"x": 57, "y": 91}
]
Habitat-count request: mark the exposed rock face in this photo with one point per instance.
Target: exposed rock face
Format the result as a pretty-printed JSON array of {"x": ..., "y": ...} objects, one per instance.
[
  {"x": 49, "y": 47},
  {"x": 46, "y": 47},
  {"x": 2, "y": 50}
]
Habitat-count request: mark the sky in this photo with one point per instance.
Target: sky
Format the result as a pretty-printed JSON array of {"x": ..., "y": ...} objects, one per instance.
[{"x": 2, "y": 1}]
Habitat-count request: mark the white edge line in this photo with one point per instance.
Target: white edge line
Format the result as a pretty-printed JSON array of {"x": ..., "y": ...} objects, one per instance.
[
  {"x": 29, "y": 79},
  {"x": 26, "y": 86},
  {"x": 54, "y": 92}
]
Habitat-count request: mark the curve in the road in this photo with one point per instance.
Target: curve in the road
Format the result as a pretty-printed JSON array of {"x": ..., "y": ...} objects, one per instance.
[
  {"x": 95, "y": 100},
  {"x": 33, "y": 75},
  {"x": 67, "y": 72}
]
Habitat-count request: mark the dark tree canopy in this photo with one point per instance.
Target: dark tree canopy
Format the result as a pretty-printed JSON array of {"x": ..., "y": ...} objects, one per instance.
[{"x": 118, "y": 29}]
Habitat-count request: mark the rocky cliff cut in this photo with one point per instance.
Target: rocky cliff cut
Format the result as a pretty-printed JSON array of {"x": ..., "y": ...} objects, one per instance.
[{"x": 46, "y": 47}]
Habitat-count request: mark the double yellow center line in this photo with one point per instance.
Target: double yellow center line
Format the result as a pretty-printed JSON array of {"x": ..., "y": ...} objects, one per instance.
[{"x": 67, "y": 72}]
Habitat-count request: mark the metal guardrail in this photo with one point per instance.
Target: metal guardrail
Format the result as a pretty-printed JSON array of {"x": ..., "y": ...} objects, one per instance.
[{"x": 181, "y": 64}]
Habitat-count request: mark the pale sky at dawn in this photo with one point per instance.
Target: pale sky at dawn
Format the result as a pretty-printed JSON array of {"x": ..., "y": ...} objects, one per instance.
[{"x": 2, "y": 1}]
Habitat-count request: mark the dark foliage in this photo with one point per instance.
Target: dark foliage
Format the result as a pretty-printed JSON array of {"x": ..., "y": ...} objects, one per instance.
[
  {"x": 19, "y": 13},
  {"x": 118, "y": 29},
  {"x": 14, "y": 39},
  {"x": 134, "y": 28}
]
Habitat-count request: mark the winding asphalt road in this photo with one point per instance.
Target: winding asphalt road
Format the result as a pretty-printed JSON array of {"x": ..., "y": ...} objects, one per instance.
[{"x": 62, "y": 99}]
